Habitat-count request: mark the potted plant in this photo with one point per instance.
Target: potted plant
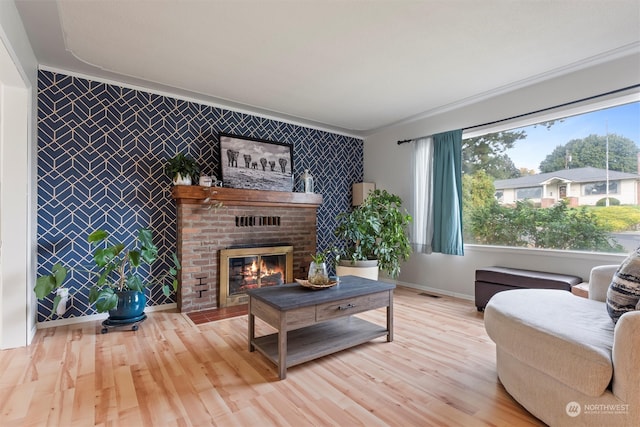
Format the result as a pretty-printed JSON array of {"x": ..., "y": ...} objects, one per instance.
[
  {"x": 118, "y": 286},
  {"x": 374, "y": 234},
  {"x": 318, "y": 269},
  {"x": 183, "y": 170}
]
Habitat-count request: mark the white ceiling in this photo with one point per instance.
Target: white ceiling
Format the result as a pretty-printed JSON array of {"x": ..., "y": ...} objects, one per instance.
[{"x": 350, "y": 66}]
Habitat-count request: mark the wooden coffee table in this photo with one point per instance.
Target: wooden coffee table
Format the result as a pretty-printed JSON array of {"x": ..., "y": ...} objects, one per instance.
[{"x": 315, "y": 323}]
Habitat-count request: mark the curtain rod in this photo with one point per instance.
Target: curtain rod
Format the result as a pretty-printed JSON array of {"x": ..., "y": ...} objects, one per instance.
[{"x": 539, "y": 111}]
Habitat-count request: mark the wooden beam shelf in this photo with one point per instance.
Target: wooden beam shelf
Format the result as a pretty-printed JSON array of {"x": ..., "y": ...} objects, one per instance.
[{"x": 195, "y": 194}]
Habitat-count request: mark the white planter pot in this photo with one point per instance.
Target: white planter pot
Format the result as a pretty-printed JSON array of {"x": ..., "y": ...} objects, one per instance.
[
  {"x": 182, "y": 180},
  {"x": 367, "y": 269}
]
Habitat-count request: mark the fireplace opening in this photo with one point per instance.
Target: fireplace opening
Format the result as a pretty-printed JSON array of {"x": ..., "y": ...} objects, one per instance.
[{"x": 244, "y": 268}]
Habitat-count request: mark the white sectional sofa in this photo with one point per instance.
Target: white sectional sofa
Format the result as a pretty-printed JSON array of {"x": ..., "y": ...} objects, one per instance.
[{"x": 561, "y": 357}]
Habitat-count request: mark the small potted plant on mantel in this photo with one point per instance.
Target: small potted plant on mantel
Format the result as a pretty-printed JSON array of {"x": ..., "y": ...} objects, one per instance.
[
  {"x": 375, "y": 237},
  {"x": 118, "y": 287},
  {"x": 182, "y": 169}
]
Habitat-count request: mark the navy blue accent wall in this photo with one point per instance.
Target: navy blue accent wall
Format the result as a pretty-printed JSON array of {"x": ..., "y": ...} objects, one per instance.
[{"x": 101, "y": 153}]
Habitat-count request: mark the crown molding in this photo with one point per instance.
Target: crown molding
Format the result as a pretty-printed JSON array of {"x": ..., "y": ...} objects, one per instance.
[{"x": 621, "y": 52}]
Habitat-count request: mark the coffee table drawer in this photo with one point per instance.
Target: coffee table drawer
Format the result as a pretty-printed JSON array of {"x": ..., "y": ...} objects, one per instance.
[{"x": 346, "y": 307}]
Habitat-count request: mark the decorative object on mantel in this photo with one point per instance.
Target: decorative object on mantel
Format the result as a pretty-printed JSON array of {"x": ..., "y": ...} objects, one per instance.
[
  {"x": 375, "y": 230},
  {"x": 254, "y": 163},
  {"x": 206, "y": 181},
  {"x": 307, "y": 181},
  {"x": 118, "y": 288},
  {"x": 182, "y": 169}
]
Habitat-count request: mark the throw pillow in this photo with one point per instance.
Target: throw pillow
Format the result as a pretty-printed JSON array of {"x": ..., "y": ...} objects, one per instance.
[{"x": 624, "y": 291}]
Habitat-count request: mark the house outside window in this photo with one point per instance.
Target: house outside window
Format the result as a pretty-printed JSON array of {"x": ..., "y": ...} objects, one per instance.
[{"x": 544, "y": 185}]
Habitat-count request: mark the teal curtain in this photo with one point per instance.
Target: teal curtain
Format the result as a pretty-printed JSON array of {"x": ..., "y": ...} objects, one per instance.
[{"x": 447, "y": 189}]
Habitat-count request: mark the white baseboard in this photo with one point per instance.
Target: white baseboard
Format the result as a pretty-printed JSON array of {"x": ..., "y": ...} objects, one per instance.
[
  {"x": 436, "y": 291},
  {"x": 100, "y": 317}
]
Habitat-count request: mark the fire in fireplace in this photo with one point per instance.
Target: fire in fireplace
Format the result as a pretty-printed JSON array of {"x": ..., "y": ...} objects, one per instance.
[{"x": 242, "y": 269}]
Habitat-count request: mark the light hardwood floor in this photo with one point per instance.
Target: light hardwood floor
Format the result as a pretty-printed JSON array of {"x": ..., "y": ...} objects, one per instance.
[{"x": 438, "y": 371}]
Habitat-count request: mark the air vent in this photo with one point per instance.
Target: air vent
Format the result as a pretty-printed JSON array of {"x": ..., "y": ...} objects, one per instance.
[
  {"x": 257, "y": 221},
  {"x": 424, "y": 294}
]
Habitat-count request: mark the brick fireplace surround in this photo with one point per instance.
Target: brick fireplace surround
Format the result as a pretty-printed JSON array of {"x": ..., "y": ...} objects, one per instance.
[{"x": 203, "y": 230}]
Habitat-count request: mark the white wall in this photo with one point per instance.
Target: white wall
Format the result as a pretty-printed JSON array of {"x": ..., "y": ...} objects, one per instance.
[
  {"x": 455, "y": 275},
  {"x": 18, "y": 78},
  {"x": 389, "y": 166}
]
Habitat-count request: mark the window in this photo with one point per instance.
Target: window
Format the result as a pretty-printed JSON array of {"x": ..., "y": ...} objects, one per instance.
[
  {"x": 544, "y": 185},
  {"x": 529, "y": 193},
  {"x": 595, "y": 188}
]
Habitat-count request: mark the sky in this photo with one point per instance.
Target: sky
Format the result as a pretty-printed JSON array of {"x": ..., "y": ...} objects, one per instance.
[{"x": 623, "y": 120}]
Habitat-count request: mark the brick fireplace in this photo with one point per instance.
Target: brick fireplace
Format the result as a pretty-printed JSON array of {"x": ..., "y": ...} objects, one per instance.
[{"x": 246, "y": 218}]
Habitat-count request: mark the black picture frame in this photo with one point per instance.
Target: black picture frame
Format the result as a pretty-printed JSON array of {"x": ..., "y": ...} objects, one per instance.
[{"x": 257, "y": 163}]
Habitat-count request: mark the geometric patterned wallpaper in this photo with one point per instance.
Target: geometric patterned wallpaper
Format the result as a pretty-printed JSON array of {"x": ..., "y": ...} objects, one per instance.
[{"x": 101, "y": 154}]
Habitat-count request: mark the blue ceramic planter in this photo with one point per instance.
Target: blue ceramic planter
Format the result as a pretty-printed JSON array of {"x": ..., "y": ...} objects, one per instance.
[{"x": 130, "y": 307}]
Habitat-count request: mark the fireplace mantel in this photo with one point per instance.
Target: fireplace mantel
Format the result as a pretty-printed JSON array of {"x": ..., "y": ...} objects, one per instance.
[{"x": 195, "y": 194}]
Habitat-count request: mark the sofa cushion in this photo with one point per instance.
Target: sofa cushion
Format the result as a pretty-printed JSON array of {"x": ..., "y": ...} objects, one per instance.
[
  {"x": 565, "y": 336},
  {"x": 624, "y": 291}
]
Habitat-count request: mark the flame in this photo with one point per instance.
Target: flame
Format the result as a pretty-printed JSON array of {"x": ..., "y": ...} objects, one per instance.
[
  {"x": 253, "y": 274},
  {"x": 266, "y": 272}
]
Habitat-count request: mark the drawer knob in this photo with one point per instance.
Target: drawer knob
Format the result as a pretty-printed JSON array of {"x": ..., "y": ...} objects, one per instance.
[{"x": 346, "y": 307}]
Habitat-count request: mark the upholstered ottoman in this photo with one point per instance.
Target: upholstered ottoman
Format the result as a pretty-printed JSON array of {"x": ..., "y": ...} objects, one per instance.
[{"x": 491, "y": 280}]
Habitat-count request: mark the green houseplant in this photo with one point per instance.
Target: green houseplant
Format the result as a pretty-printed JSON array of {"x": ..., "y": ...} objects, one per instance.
[
  {"x": 115, "y": 270},
  {"x": 182, "y": 169},
  {"x": 375, "y": 230}
]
